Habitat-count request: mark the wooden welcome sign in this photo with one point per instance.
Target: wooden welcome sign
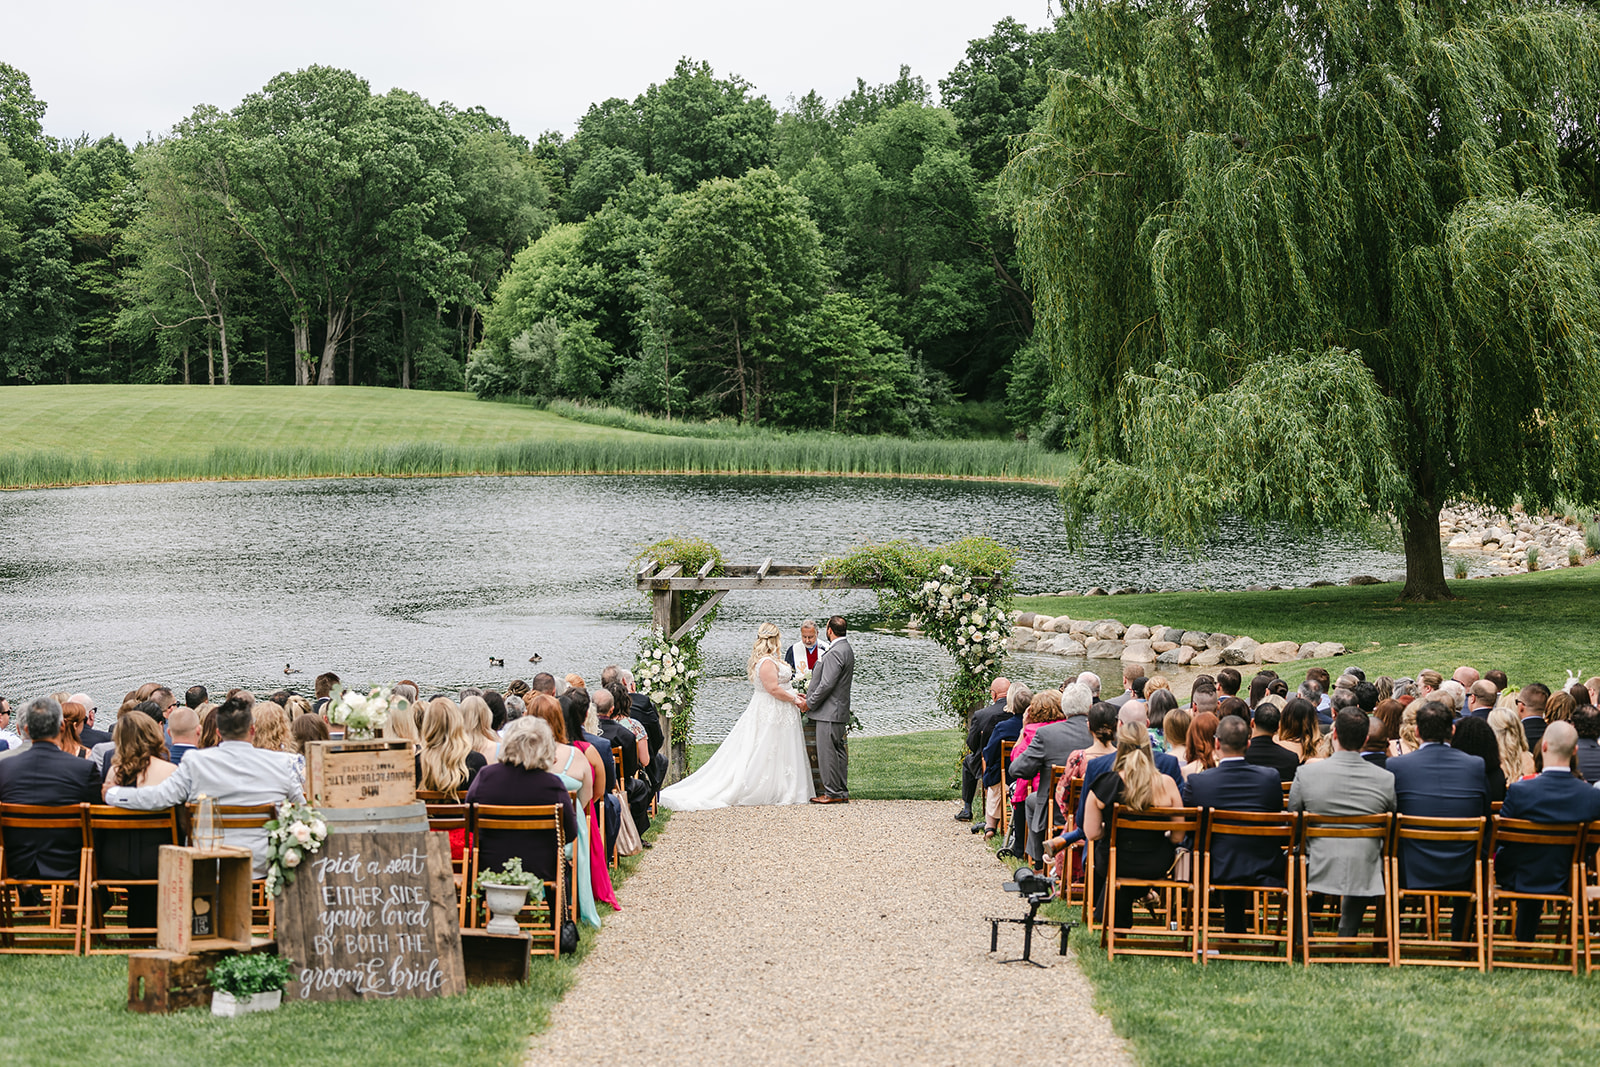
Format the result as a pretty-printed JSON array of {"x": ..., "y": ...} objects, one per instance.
[{"x": 372, "y": 915}]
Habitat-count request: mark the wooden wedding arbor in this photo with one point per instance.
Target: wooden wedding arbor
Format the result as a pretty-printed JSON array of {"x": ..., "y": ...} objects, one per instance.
[{"x": 667, "y": 614}]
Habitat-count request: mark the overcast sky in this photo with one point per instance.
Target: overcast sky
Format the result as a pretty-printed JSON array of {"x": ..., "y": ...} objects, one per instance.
[{"x": 133, "y": 67}]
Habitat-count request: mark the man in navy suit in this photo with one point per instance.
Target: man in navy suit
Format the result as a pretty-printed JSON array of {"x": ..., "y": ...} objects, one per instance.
[
  {"x": 1263, "y": 751},
  {"x": 1530, "y": 708},
  {"x": 1555, "y": 796},
  {"x": 43, "y": 774},
  {"x": 1234, "y": 785},
  {"x": 1439, "y": 782},
  {"x": 979, "y": 727}
]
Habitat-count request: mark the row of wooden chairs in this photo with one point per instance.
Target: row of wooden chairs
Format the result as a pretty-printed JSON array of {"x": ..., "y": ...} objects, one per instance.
[
  {"x": 87, "y": 913},
  {"x": 1409, "y": 927}
]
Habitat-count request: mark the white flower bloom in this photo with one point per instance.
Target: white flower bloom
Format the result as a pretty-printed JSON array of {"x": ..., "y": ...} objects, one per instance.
[{"x": 291, "y": 857}]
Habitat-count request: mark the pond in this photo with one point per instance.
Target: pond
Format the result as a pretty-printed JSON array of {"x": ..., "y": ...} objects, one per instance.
[{"x": 104, "y": 588}]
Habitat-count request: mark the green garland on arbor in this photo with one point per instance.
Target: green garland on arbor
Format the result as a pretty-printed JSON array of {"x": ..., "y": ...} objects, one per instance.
[
  {"x": 668, "y": 672},
  {"x": 959, "y": 594}
]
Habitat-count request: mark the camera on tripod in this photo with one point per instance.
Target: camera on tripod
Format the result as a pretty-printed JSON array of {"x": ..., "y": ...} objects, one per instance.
[{"x": 1037, "y": 890}]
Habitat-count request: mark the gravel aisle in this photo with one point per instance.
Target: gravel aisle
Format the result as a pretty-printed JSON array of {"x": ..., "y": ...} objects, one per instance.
[{"x": 820, "y": 935}]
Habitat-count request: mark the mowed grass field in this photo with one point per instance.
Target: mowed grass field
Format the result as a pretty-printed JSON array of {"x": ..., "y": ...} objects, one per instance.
[
  {"x": 97, "y": 434},
  {"x": 1535, "y": 627}
]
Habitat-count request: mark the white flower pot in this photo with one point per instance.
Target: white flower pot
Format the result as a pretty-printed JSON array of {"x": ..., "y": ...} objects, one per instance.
[
  {"x": 228, "y": 1004},
  {"x": 504, "y": 902}
]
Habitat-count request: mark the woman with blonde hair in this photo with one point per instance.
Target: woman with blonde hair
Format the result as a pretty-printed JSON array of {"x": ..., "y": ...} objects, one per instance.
[
  {"x": 1515, "y": 759},
  {"x": 478, "y": 718},
  {"x": 272, "y": 726},
  {"x": 403, "y": 725},
  {"x": 447, "y": 762},
  {"x": 763, "y": 760},
  {"x": 296, "y": 706},
  {"x": 578, "y": 777},
  {"x": 139, "y": 759},
  {"x": 1135, "y": 784},
  {"x": 1409, "y": 742}
]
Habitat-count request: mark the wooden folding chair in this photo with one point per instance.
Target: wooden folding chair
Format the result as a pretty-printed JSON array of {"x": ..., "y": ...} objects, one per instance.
[
  {"x": 1537, "y": 955},
  {"x": 1265, "y": 941},
  {"x": 545, "y": 930},
  {"x": 1005, "y": 788},
  {"x": 444, "y": 816},
  {"x": 156, "y": 828},
  {"x": 621, "y": 791},
  {"x": 1331, "y": 948},
  {"x": 1412, "y": 908},
  {"x": 43, "y": 928},
  {"x": 1174, "y": 931},
  {"x": 1591, "y": 894},
  {"x": 263, "y": 906},
  {"x": 1075, "y": 864}
]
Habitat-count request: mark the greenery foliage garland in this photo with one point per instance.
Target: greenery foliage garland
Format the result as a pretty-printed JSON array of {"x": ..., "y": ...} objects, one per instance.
[
  {"x": 958, "y": 593},
  {"x": 667, "y": 671}
]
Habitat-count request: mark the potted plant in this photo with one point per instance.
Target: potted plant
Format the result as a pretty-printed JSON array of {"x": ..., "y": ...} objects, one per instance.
[
  {"x": 250, "y": 982},
  {"x": 506, "y": 892}
]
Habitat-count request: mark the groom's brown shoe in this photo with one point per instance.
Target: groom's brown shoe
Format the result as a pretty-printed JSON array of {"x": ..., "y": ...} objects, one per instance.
[{"x": 826, "y": 799}]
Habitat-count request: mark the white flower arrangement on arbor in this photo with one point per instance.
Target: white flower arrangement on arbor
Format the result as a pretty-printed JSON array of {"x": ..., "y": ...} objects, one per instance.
[
  {"x": 955, "y": 611},
  {"x": 668, "y": 672}
]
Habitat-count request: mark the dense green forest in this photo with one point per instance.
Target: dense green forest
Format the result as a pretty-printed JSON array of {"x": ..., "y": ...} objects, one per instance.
[{"x": 696, "y": 251}]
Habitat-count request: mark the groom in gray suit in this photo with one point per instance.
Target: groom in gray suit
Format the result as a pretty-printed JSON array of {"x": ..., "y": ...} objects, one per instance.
[{"x": 828, "y": 705}]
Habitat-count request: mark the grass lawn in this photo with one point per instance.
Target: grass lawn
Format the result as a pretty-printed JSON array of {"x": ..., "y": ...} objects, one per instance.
[
  {"x": 1532, "y": 626},
  {"x": 62, "y": 1009},
  {"x": 94, "y": 434},
  {"x": 128, "y": 422},
  {"x": 919, "y": 766}
]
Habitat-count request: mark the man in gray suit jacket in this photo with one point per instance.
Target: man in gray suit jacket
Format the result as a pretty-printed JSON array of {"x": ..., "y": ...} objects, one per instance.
[
  {"x": 1052, "y": 743},
  {"x": 1345, "y": 784},
  {"x": 827, "y": 702},
  {"x": 233, "y": 772}
]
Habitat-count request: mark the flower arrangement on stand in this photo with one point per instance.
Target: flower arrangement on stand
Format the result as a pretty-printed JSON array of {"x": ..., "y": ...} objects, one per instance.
[
  {"x": 297, "y": 832},
  {"x": 363, "y": 714},
  {"x": 955, "y": 610}
]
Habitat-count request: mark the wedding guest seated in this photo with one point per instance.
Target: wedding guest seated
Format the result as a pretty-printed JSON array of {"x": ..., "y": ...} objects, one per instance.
[
  {"x": 979, "y": 726},
  {"x": 1555, "y": 795},
  {"x": 73, "y": 716},
  {"x": 515, "y": 708},
  {"x": 194, "y": 697},
  {"x": 1176, "y": 728},
  {"x": 405, "y": 725},
  {"x": 43, "y": 774},
  {"x": 1101, "y": 765},
  {"x": 307, "y": 728},
  {"x": 1301, "y": 731},
  {"x": 523, "y": 777},
  {"x": 1345, "y": 784},
  {"x": 1203, "y": 701},
  {"x": 1237, "y": 785},
  {"x": 1133, "y": 782},
  {"x": 184, "y": 727},
  {"x": 1200, "y": 743},
  {"x": 1267, "y": 748},
  {"x": 1018, "y": 697},
  {"x": 1439, "y": 782},
  {"x": 1092, "y": 680},
  {"x": 89, "y": 736},
  {"x": 324, "y": 686},
  {"x": 1160, "y": 702},
  {"x": 478, "y": 720},
  {"x": 1586, "y": 720},
  {"x": 617, "y": 733},
  {"x": 210, "y": 737},
  {"x": 1228, "y": 682},
  {"x": 1376, "y": 750},
  {"x": 447, "y": 762},
  {"x": 497, "y": 713},
  {"x": 1047, "y": 739},
  {"x": 643, "y": 711},
  {"x": 1476, "y": 737},
  {"x": 1131, "y": 673},
  {"x": 296, "y": 707},
  {"x": 1390, "y": 712},
  {"x": 1530, "y": 708},
  {"x": 235, "y": 772},
  {"x": 1103, "y": 724},
  {"x": 569, "y": 760},
  {"x": 139, "y": 760},
  {"x": 1515, "y": 759},
  {"x": 271, "y": 726},
  {"x": 1559, "y": 707}
]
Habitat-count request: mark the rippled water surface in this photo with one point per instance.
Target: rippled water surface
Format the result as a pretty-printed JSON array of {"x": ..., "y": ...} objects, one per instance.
[{"x": 104, "y": 588}]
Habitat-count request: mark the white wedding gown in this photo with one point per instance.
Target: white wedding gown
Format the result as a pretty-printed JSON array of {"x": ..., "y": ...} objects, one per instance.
[{"x": 763, "y": 761}]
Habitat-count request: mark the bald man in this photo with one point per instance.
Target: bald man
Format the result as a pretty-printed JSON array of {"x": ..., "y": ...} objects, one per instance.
[{"x": 1556, "y": 795}]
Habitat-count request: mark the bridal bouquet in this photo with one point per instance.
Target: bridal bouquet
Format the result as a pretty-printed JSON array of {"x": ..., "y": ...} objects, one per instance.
[
  {"x": 955, "y": 611},
  {"x": 363, "y": 714},
  {"x": 802, "y": 678},
  {"x": 297, "y": 832}
]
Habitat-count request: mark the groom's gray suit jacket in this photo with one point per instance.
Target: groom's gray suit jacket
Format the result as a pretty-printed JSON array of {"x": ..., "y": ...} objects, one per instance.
[{"x": 828, "y": 696}]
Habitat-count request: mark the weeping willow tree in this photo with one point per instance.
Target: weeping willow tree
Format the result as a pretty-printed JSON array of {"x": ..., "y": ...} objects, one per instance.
[{"x": 1314, "y": 263}]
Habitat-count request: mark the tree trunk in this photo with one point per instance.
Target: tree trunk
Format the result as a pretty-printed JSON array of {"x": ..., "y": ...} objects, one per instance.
[
  {"x": 185, "y": 364},
  {"x": 266, "y": 366},
  {"x": 227, "y": 364},
  {"x": 302, "y": 351},
  {"x": 350, "y": 360},
  {"x": 1419, "y": 527},
  {"x": 211, "y": 367},
  {"x": 738, "y": 362},
  {"x": 835, "y": 425},
  {"x": 405, "y": 343},
  {"x": 337, "y": 317}
]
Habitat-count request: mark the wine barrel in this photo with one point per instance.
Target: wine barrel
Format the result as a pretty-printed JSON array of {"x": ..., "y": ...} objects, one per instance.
[
  {"x": 811, "y": 754},
  {"x": 407, "y": 818}
]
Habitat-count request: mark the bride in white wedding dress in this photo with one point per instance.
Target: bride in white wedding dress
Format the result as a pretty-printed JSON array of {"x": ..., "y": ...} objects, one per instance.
[{"x": 763, "y": 761}]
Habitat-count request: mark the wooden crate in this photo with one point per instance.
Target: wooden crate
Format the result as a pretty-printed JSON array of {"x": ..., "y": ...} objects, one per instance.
[
  {"x": 360, "y": 774},
  {"x": 204, "y": 899},
  {"x": 495, "y": 959},
  {"x": 160, "y": 981}
]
